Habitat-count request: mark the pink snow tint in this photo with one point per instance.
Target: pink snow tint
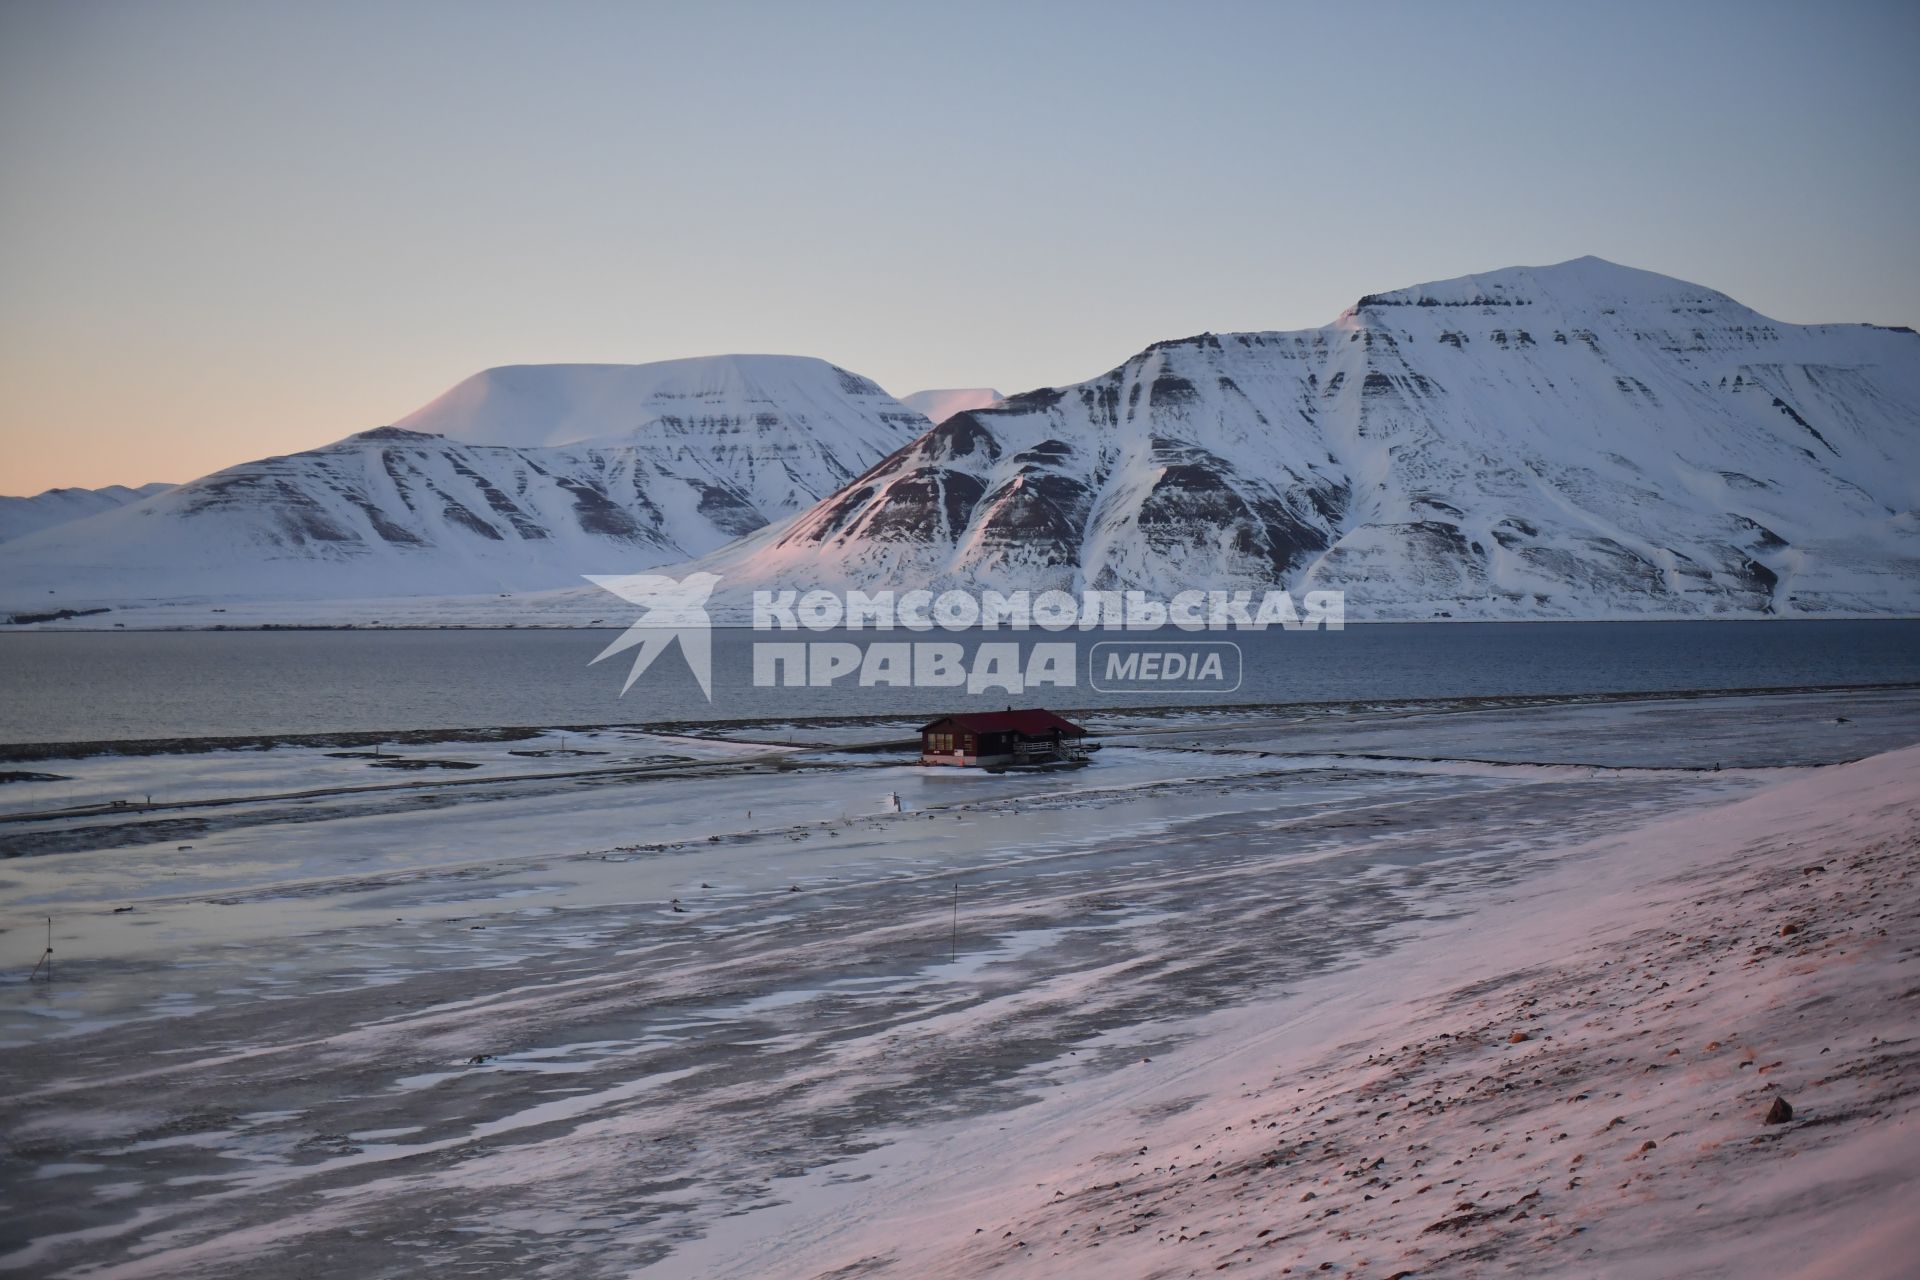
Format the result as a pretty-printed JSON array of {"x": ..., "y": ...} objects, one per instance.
[
  {"x": 1388, "y": 1121},
  {"x": 942, "y": 404}
]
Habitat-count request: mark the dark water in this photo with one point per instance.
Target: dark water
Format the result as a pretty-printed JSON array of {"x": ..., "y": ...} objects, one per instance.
[{"x": 89, "y": 686}]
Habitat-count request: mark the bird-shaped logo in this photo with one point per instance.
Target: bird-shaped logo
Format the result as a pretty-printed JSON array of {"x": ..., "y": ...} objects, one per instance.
[{"x": 676, "y": 610}]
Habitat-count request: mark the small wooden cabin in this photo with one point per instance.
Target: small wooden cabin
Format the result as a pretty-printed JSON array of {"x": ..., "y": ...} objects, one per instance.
[{"x": 1000, "y": 738}]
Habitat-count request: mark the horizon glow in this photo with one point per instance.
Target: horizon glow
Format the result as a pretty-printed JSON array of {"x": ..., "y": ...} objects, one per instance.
[{"x": 230, "y": 230}]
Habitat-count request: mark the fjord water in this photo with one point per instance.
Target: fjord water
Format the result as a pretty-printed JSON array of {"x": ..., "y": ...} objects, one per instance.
[{"x": 97, "y": 686}]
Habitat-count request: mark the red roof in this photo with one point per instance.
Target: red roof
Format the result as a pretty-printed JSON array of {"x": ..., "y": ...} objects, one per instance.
[{"x": 1034, "y": 723}]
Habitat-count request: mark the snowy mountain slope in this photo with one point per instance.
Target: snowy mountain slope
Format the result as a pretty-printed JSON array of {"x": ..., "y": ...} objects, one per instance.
[
  {"x": 21, "y": 516},
  {"x": 782, "y": 429},
  {"x": 673, "y": 461},
  {"x": 938, "y": 406},
  {"x": 1581, "y": 440}
]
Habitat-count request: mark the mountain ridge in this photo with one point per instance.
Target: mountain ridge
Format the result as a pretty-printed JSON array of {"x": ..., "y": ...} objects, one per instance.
[
  {"x": 20, "y": 516},
  {"x": 657, "y": 463},
  {"x": 1569, "y": 441},
  {"x": 1530, "y": 442}
]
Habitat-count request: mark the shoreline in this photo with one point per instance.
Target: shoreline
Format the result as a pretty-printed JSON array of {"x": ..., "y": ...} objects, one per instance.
[
  {"x": 27, "y": 752},
  {"x": 731, "y": 623}
]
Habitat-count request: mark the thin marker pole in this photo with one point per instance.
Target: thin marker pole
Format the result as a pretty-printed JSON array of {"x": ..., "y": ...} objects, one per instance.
[
  {"x": 46, "y": 957},
  {"x": 953, "y": 947}
]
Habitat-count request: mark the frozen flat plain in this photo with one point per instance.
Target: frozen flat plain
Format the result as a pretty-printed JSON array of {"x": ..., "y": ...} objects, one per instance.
[{"x": 589, "y": 1015}]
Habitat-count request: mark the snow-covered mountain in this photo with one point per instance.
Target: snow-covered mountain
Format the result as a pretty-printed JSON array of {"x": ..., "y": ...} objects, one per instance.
[
  {"x": 940, "y": 405},
  {"x": 21, "y": 516},
  {"x": 519, "y": 478},
  {"x": 1576, "y": 441},
  {"x": 1581, "y": 440},
  {"x": 782, "y": 430}
]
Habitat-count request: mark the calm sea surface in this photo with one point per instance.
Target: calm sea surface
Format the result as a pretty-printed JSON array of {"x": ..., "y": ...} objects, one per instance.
[{"x": 90, "y": 686}]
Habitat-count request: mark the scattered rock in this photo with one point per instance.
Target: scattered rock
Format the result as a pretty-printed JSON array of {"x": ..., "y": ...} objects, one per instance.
[
  {"x": 1779, "y": 1113},
  {"x": 1518, "y": 1037}
]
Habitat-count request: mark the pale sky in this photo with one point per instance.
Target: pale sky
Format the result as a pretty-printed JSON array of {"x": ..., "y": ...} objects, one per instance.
[{"x": 238, "y": 228}]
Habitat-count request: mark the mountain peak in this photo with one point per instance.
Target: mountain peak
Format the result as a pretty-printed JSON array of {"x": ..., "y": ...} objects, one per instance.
[
  {"x": 940, "y": 404},
  {"x": 389, "y": 435},
  {"x": 541, "y": 405},
  {"x": 578, "y": 467},
  {"x": 1581, "y": 439},
  {"x": 1579, "y": 283}
]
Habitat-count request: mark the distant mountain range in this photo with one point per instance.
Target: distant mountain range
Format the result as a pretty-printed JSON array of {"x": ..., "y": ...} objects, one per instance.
[
  {"x": 519, "y": 478},
  {"x": 21, "y": 516},
  {"x": 1576, "y": 441}
]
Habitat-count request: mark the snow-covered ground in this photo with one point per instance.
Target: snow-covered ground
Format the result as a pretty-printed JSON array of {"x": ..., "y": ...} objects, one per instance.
[
  {"x": 1580, "y": 1080},
  {"x": 146, "y": 781},
  {"x": 725, "y": 1015}
]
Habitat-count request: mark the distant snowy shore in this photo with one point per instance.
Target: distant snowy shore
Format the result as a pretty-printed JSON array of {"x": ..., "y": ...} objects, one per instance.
[{"x": 564, "y": 610}]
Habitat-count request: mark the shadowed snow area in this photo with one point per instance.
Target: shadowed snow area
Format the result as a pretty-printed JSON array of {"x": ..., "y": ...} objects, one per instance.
[{"x": 696, "y": 1005}]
